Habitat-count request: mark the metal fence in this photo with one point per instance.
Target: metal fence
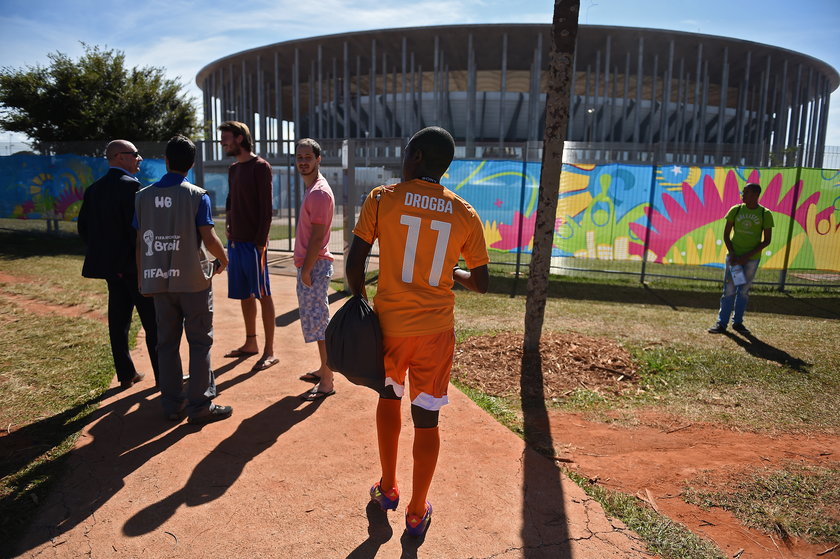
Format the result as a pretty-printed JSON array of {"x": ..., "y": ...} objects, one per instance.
[{"x": 646, "y": 220}]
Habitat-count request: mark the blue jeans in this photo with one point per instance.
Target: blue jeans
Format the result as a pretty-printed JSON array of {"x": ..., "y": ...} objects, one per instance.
[{"x": 736, "y": 296}]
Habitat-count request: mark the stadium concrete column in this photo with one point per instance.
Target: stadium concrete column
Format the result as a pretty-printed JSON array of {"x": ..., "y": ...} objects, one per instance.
[
  {"x": 278, "y": 104},
  {"x": 394, "y": 111},
  {"x": 471, "y": 86},
  {"x": 679, "y": 107},
  {"x": 372, "y": 92},
  {"x": 653, "y": 102},
  {"x": 503, "y": 90},
  {"x": 606, "y": 104},
  {"x": 404, "y": 124},
  {"x": 319, "y": 100},
  {"x": 386, "y": 128},
  {"x": 743, "y": 90},
  {"x": 263, "y": 128},
  {"x": 812, "y": 121},
  {"x": 702, "y": 124},
  {"x": 311, "y": 128},
  {"x": 437, "y": 84},
  {"x": 296, "y": 93},
  {"x": 664, "y": 133},
  {"x": 695, "y": 113},
  {"x": 421, "y": 88},
  {"x": 624, "y": 101},
  {"x": 534, "y": 92},
  {"x": 793, "y": 136},
  {"x": 335, "y": 95},
  {"x": 347, "y": 105},
  {"x": 596, "y": 99},
  {"x": 358, "y": 96},
  {"x": 640, "y": 78},
  {"x": 825, "y": 101}
]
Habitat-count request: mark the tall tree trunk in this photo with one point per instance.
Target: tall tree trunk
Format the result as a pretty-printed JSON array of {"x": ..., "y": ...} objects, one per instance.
[{"x": 564, "y": 37}]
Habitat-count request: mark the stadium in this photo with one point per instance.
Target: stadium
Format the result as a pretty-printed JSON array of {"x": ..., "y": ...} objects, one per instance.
[{"x": 643, "y": 95}]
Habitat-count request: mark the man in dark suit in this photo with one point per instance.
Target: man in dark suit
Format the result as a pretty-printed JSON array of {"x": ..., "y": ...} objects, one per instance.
[{"x": 105, "y": 227}]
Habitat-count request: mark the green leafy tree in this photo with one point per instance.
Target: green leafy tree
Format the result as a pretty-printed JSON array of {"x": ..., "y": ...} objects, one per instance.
[{"x": 93, "y": 99}]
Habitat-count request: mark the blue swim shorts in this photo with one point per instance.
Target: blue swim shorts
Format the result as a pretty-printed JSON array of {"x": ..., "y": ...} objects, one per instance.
[{"x": 247, "y": 271}]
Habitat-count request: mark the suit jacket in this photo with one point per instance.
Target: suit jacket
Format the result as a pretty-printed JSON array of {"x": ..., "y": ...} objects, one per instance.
[{"x": 105, "y": 226}]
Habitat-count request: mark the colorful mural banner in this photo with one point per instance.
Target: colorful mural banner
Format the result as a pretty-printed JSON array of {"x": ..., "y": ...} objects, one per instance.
[
  {"x": 671, "y": 215},
  {"x": 612, "y": 212},
  {"x": 52, "y": 187}
]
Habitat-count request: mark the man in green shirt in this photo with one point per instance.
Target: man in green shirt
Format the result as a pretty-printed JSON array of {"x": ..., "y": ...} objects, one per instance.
[{"x": 748, "y": 231}]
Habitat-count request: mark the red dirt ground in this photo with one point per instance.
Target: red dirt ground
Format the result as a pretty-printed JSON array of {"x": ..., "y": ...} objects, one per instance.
[
  {"x": 651, "y": 460},
  {"x": 654, "y": 458}
]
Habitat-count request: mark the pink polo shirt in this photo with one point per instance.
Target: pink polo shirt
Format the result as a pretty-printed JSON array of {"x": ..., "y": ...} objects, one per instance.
[{"x": 317, "y": 207}]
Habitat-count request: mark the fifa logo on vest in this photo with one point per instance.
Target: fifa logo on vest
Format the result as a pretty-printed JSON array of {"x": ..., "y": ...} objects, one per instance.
[
  {"x": 163, "y": 202},
  {"x": 149, "y": 238},
  {"x": 170, "y": 243}
]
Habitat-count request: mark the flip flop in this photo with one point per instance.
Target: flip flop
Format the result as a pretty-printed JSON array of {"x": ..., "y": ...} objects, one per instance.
[
  {"x": 310, "y": 377},
  {"x": 314, "y": 394},
  {"x": 264, "y": 364},
  {"x": 240, "y": 353}
]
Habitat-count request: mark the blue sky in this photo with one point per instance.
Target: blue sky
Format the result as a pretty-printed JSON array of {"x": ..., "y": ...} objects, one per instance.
[{"x": 184, "y": 36}]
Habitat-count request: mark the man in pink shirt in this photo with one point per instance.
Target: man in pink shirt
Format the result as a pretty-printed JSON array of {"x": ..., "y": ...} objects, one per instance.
[{"x": 314, "y": 261}]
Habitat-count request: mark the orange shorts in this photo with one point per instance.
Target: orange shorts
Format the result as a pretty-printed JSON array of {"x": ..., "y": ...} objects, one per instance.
[{"x": 428, "y": 361}]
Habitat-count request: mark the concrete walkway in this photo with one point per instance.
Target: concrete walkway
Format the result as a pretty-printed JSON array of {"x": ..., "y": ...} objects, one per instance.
[{"x": 288, "y": 479}]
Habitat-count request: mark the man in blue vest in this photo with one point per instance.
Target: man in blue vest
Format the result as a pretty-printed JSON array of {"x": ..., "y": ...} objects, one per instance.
[
  {"x": 173, "y": 219},
  {"x": 748, "y": 231}
]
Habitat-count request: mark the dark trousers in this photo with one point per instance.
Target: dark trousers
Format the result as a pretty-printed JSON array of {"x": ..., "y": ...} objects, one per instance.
[
  {"x": 123, "y": 298},
  {"x": 190, "y": 314}
]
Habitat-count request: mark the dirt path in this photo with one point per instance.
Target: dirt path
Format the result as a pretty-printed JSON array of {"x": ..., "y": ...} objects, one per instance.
[
  {"x": 284, "y": 478},
  {"x": 652, "y": 460},
  {"x": 655, "y": 459}
]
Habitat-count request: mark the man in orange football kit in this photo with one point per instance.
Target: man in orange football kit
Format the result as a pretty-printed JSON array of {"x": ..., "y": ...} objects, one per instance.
[{"x": 423, "y": 229}]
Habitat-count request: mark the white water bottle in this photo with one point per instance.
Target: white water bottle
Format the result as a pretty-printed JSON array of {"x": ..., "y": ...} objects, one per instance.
[{"x": 738, "y": 277}]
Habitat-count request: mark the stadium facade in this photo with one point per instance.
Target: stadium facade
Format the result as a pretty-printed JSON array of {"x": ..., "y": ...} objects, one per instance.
[{"x": 637, "y": 94}]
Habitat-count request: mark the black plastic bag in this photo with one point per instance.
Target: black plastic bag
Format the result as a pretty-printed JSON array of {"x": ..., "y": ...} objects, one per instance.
[{"x": 354, "y": 344}]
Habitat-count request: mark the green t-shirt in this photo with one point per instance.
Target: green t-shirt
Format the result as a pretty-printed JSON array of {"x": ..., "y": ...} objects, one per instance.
[{"x": 748, "y": 226}]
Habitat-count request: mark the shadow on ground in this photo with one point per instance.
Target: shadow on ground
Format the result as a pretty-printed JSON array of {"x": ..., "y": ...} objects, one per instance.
[
  {"x": 789, "y": 303},
  {"x": 542, "y": 489},
  {"x": 763, "y": 350},
  {"x": 220, "y": 469}
]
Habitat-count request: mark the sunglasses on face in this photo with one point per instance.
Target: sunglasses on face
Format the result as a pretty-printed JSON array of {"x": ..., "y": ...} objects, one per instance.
[{"x": 132, "y": 153}]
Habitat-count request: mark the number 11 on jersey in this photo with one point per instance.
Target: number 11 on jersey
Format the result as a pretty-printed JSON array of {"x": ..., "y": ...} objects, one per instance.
[{"x": 413, "y": 223}]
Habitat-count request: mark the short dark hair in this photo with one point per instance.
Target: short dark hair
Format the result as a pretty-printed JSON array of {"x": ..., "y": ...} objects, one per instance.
[
  {"x": 238, "y": 129},
  {"x": 180, "y": 153},
  {"x": 437, "y": 146},
  {"x": 753, "y": 186},
  {"x": 309, "y": 142}
]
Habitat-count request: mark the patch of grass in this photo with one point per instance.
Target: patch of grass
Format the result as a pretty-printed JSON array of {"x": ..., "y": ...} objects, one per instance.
[
  {"x": 277, "y": 232},
  {"x": 582, "y": 399},
  {"x": 778, "y": 380},
  {"x": 662, "y": 535},
  {"x": 505, "y": 410},
  {"x": 52, "y": 264},
  {"x": 797, "y": 500},
  {"x": 52, "y": 369},
  {"x": 765, "y": 383},
  {"x": 47, "y": 390},
  {"x": 738, "y": 389}
]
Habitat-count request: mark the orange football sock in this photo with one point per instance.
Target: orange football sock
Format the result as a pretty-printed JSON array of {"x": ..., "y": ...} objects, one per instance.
[
  {"x": 426, "y": 449},
  {"x": 388, "y": 423}
]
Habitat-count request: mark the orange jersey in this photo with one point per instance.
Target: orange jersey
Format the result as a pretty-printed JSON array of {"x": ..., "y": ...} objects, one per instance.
[{"x": 423, "y": 230}]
